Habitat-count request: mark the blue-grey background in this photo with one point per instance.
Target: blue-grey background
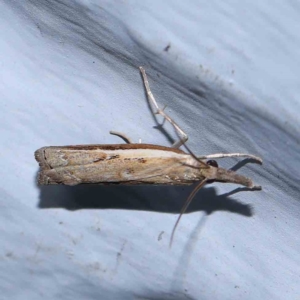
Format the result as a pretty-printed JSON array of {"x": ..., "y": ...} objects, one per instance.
[{"x": 230, "y": 77}]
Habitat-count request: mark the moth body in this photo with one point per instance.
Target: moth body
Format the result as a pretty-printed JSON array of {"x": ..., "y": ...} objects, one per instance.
[{"x": 127, "y": 164}]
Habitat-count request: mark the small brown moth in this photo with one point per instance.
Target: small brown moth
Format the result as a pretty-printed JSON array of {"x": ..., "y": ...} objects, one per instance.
[{"x": 136, "y": 163}]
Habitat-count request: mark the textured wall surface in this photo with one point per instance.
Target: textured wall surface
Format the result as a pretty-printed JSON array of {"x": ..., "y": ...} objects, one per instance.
[{"x": 229, "y": 75}]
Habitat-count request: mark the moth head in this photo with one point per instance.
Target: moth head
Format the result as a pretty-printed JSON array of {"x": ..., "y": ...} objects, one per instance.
[{"x": 216, "y": 174}]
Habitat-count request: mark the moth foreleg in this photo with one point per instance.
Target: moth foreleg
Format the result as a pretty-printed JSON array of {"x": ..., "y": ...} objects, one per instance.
[
  {"x": 182, "y": 135},
  {"x": 122, "y": 136},
  {"x": 224, "y": 155}
]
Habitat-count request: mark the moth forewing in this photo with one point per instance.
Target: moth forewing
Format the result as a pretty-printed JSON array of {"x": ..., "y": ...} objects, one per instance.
[{"x": 120, "y": 163}]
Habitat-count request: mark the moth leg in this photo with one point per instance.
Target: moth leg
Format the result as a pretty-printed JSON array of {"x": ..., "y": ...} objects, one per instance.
[
  {"x": 122, "y": 136},
  {"x": 182, "y": 135},
  {"x": 186, "y": 205},
  {"x": 224, "y": 155}
]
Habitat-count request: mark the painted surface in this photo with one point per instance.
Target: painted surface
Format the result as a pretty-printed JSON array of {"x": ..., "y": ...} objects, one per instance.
[{"x": 229, "y": 75}]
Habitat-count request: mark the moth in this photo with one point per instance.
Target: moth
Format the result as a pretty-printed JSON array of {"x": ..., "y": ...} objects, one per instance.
[{"x": 139, "y": 163}]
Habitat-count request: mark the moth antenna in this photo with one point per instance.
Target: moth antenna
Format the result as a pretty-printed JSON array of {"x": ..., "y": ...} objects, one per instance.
[{"x": 185, "y": 206}]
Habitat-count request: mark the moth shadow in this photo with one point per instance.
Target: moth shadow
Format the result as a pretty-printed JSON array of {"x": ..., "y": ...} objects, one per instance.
[
  {"x": 165, "y": 199},
  {"x": 173, "y": 295}
]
